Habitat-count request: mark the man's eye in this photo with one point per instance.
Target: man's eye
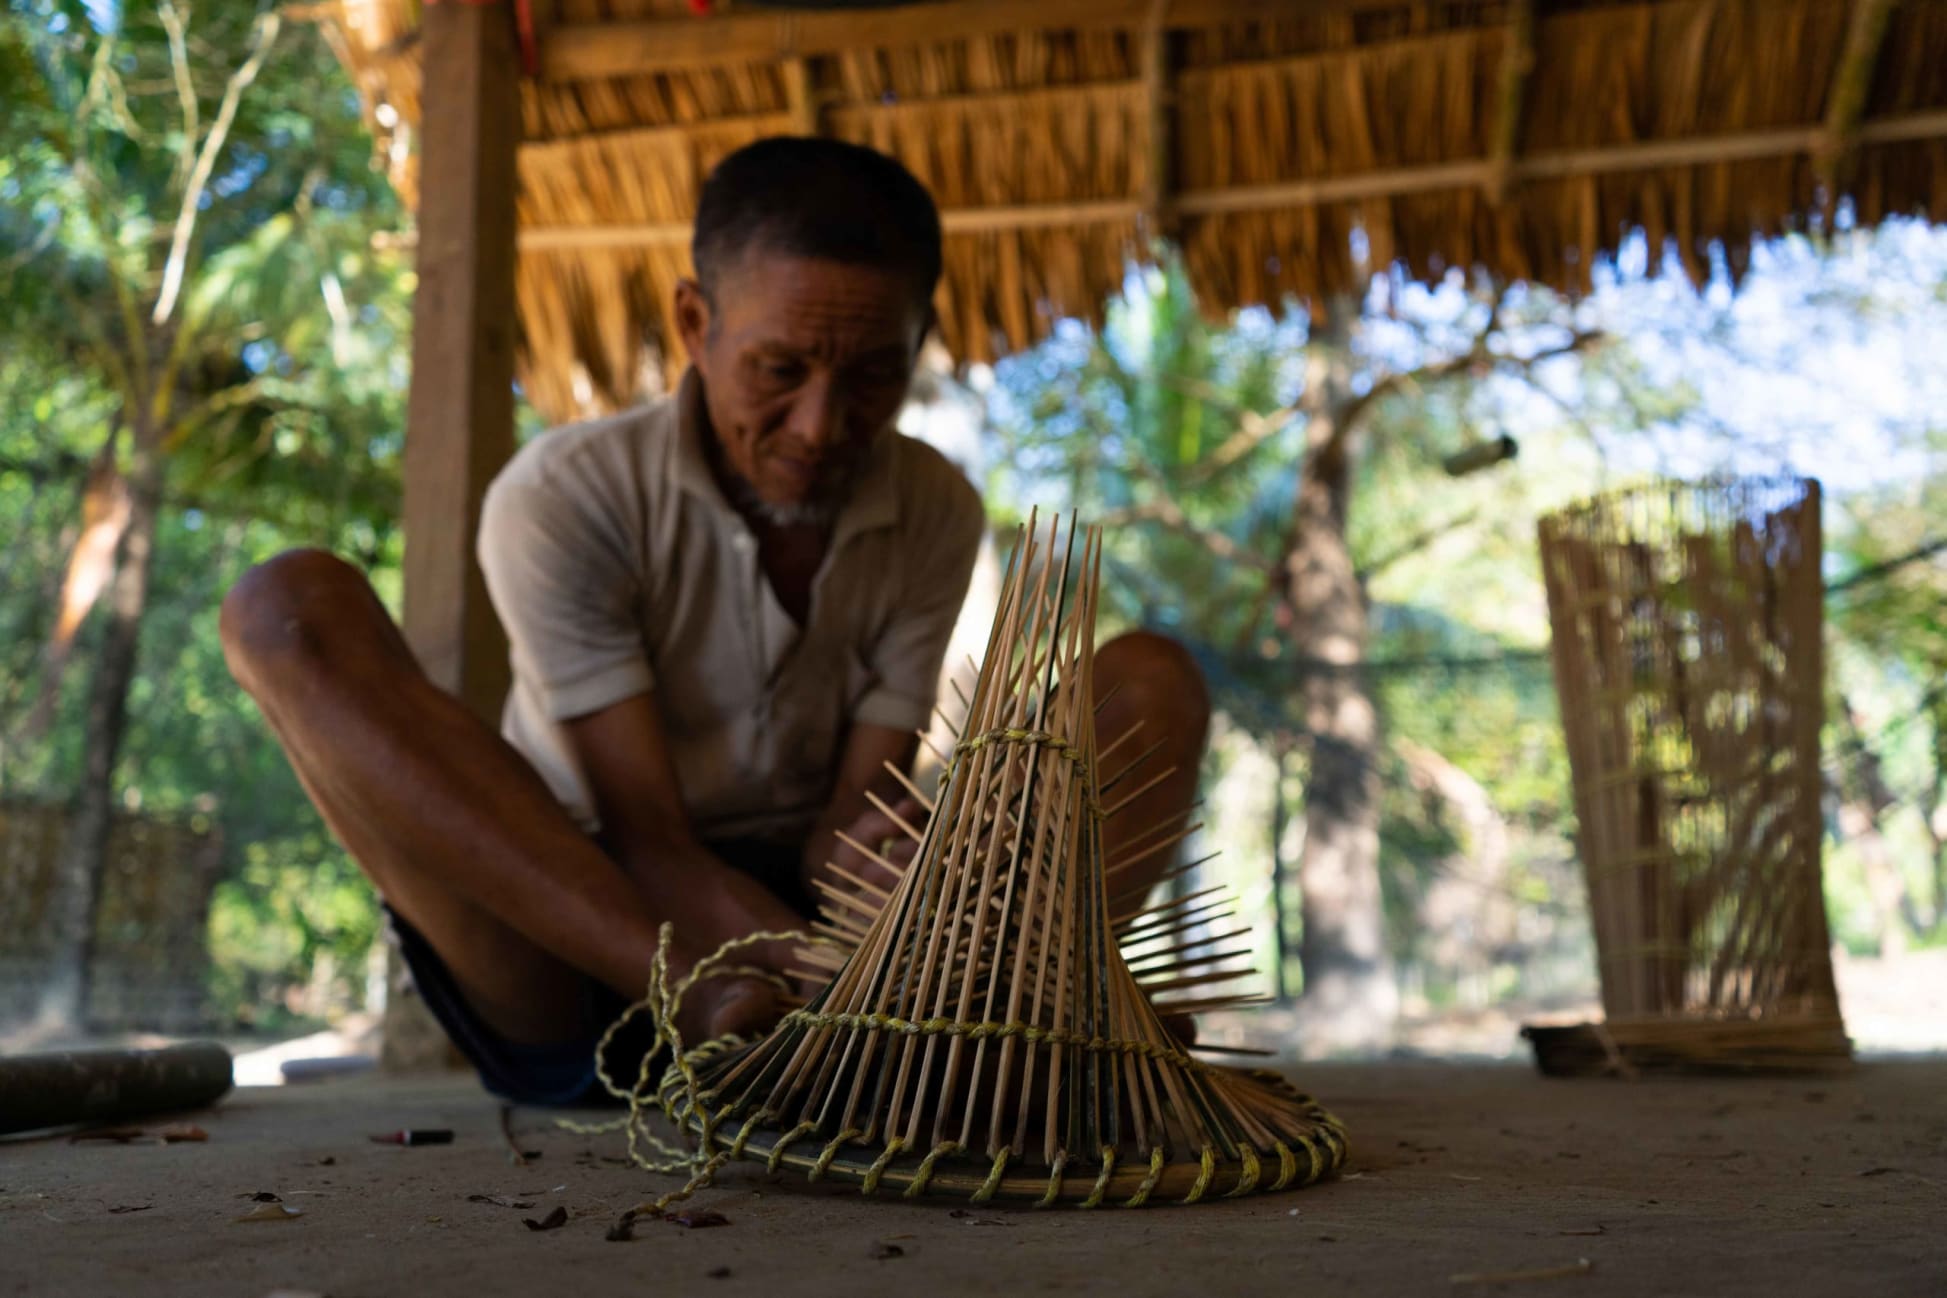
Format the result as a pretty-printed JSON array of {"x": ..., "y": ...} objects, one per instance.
[{"x": 780, "y": 371}]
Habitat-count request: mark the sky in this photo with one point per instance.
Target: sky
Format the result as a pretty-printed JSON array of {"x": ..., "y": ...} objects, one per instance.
[{"x": 1825, "y": 363}]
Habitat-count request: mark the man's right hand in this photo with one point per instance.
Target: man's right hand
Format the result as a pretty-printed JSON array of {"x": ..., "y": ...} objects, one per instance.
[{"x": 716, "y": 1007}]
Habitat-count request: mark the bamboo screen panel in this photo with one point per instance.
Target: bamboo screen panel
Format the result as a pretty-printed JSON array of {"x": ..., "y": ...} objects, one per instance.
[{"x": 1687, "y": 624}]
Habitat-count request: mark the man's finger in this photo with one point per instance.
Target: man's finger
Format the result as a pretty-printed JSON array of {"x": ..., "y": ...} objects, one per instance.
[{"x": 742, "y": 1007}]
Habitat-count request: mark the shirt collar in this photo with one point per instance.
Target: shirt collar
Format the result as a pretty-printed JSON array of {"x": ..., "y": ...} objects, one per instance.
[{"x": 874, "y": 502}]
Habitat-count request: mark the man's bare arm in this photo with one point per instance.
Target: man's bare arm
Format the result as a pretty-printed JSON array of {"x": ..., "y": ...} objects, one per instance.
[{"x": 625, "y": 757}]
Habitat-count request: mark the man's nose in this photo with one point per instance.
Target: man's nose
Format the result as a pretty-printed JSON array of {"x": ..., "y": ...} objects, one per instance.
[{"x": 817, "y": 416}]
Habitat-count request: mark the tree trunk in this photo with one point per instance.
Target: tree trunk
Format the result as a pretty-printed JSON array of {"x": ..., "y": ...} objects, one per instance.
[
  {"x": 1350, "y": 994},
  {"x": 1280, "y": 951},
  {"x": 76, "y": 897},
  {"x": 1864, "y": 798}
]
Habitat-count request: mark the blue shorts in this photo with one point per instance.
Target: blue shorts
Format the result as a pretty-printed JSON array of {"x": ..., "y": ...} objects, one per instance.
[{"x": 563, "y": 1073}]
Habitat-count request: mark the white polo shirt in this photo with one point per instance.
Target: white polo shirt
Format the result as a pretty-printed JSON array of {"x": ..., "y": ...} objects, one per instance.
[{"x": 618, "y": 567}]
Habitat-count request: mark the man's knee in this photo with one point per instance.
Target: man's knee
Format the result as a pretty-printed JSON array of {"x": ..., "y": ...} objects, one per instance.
[
  {"x": 1152, "y": 672},
  {"x": 284, "y": 610}
]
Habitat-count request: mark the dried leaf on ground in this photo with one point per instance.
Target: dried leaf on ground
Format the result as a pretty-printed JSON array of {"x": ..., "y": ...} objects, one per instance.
[
  {"x": 120, "y": 1135},
  {"x": 183, "y": 1132},
  {"x": 623, "y": 1230},
  {"x": 498, "y": 1201},
  {"x": 1580, "y": 1266},
  {"x": 272, "y": 1212},
  {"x": 698, "y": 1218},
  {"x": 553, "y": 1221},
  {"x": 132, "y": 1207},
  {"x": 885, "y": 1249}
]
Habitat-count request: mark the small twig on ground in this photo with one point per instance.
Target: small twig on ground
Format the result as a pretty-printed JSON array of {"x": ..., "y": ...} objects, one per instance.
[{"x": 1580, "y": 1266}]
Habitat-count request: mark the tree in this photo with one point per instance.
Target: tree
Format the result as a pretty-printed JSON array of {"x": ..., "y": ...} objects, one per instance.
[
  {"x": 1226, "y": 466},
  {"x": 184, "y": 242}
]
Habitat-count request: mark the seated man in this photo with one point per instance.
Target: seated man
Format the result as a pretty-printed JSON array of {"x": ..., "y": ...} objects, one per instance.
[{"x": 727, "y": 612}]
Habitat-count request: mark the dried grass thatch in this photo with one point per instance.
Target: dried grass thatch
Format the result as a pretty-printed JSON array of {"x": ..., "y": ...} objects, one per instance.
[{"x": 1524, "y": 136}]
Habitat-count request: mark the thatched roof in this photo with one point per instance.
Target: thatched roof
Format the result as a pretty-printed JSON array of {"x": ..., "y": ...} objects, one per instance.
[{"x": 1526, "y": 136}]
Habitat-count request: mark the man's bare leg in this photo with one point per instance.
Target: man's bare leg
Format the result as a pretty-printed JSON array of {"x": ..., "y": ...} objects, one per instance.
[
  {"x": 1151, "y": 679},
  {"x": 456, "y": 830}
]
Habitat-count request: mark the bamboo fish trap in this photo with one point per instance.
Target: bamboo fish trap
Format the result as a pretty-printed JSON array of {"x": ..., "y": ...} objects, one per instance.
[
  {"x": 981, "y": 1030},
  {"x": 1687, "y": 623}
]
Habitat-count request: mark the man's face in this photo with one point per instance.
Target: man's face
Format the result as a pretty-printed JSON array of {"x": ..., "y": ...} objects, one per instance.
[{"x": 804, "y": 364}]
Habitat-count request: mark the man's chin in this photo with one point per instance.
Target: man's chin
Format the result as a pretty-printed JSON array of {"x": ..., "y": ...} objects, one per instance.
[{"x": 787, "y": 506}]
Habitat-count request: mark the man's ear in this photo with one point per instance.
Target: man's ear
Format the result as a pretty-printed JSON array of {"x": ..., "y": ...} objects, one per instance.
[
  {"x": 929, "y": 323},
  {"x": 692, "y": 317}
]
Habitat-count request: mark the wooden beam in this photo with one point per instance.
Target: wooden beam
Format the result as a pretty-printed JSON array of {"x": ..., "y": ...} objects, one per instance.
[
  {"x": 1504, "y": 138},
  {"x": 1464, "y": 174},
  {"x": 585, "y": 51},
  {"x": 1550, "y": 166},
  {"x": 547, "y": 151},
  {"x": 802, "y": 106},
  {"x": 1159, "y": 95},
  {"x": 964, "y": 220},
  {"x": 460, "y": 414},
  {"x": 1852, "y": 81}
]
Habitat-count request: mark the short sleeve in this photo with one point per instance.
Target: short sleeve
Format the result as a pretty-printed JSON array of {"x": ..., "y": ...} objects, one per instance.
[
  {"x": 562, "y": 581},
  {"x": 905, "y": 661}
]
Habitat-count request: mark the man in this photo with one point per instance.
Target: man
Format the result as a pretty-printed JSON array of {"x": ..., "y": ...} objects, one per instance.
[{"x": 727, "y": 613}]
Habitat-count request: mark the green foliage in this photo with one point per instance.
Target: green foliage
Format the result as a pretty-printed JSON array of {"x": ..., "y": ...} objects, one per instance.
[
  {"x": 285, "y": 378},
  {"x": 1135, "y": 424}
]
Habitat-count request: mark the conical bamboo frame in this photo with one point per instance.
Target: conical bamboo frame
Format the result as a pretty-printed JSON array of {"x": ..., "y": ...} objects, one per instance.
[{"x": 982, "y": 1033}]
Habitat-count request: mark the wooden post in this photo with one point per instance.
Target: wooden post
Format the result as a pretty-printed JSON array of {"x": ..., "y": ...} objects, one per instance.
[
  {"x": 1845, "y": 98},
  {"x": 460, "y": 417},
  {"x": 1159, "y": 90},
  {"x": 1517, "y": 61},
  {"x": 804, "y": 106}
]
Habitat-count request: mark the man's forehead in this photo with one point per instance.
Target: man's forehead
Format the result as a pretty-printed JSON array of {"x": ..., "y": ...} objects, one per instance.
[{"x": 786, "y": 290}]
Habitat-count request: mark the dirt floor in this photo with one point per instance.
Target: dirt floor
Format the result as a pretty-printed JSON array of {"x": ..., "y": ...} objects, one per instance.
[{"x": 1829, "y": 1185}]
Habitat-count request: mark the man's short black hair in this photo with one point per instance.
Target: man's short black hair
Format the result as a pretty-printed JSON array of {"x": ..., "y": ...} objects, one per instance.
[{"x": 820, "y": 198}]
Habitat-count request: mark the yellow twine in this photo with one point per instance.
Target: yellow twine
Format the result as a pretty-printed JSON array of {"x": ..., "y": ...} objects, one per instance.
[
  {"x": 993, "y": 1181},
  {"x": 1247, "y": 1182},
  {"x": 1054, "y": 1180},
  {"x": 1141, "y": 1196},
  {"x": 1008, "y": 735},
  {"x": 1209, "y": 1169},
  {"x": 878, "y": 1169},
  {"x": 1032, "y": 1033},
  {"x": 790, "y": 1137},
  {"x": 819, "y": 1168},
  {"x": 1312, "y": 1155},
  {"x": 924, "y": 1172},
  {"x": 680, "y": 1093},
  {"x": 1287, "y": 1165},
  {"x": 1094, "y": 1199}
]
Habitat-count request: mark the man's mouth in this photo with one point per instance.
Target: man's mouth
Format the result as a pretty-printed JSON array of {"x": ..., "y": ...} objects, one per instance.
[{"x": 802, "y": 472}]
